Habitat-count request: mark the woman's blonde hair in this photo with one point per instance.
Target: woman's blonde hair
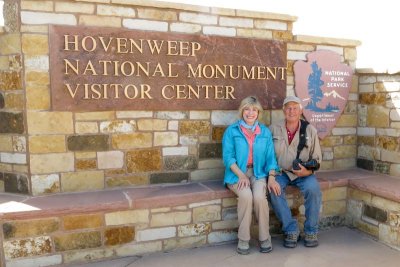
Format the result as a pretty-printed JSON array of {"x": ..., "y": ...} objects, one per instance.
[{"x": 250, "y": 101}]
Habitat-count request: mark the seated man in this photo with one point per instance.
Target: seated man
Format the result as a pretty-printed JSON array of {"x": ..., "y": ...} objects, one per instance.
[{"x": 298, "y": 165}]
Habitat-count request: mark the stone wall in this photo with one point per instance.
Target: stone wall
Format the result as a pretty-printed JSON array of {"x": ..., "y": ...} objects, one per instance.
[
  {"x": 72, "y": 237},
  {"x": 48, "y": 152},
  {"x": 379, "y": 122}
]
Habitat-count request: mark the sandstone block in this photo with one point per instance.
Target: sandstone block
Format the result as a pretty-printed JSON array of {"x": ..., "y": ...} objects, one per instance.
[
  {"x": 134, "y": 114},
  {"x": 88, "y": 142},
  {"x": 185, "y": 242},
  {"x": 180, "y": 162},
  {"x": 51, "y": 163},
  {"x": 222, "y": 31},
  {"x": 185, "y": 27},
  {"x": 37, "y": 5},
  {"x": 74, "y": 7},
  {"x": 170, "y": 218},
  {"x": 134, "y": 140},
  {"x": 73, "y": 222},
  {"x": 45, "y": 184},
  {"x": 157, "y": 14},
  {"x": 194, "y": 229},
  {"x": 14, "y": 101},
  {"x": 378, "y": 116},
  {"x": 95, "y": 116},
  {"x": 47, "y": 144},
  {"x": 345, "y": 152},
  {"x": 49, "y": 122},
  {"x": 207, "y": 174},
  {"x": 198, "y": 18},
  {"x": 86, "y": 127},
  {"x": 10, "y": 80},
  {"x": 85, "y": 164},
  {"x": 271, "y": 25},
  {"x": 222, "y": 236},
  {"x": 37, "y": 97},
  {"x": 28, "y": 228},
  {"x": 107, "y": 10},
  {"x": 207, "y": 213},
  {"x": 171, "y": 115},
  {"x": 359, "y": 195},
  {"x": 27, "y": 247},
  {"x": 15, "y": 183},
  {"x": 6, "y": 143},
  {"x": 225, "y": 225},
  {"x": 127, "y": 181},
  {"x": 224, "y": 118},
  {"x": 194, "y": 128},
  {"x": 10, "y": 44},
  {"x": 118, "y": 126},
  {"x": 156, "y": 234},
  {"x": 152, "y": 124},
  {"x": 35, "y": 44},
  {"x": 127, "y": 217},
  {"x": 336, "y": 193},
  {"x": 236, "y": 22},
  {"x": 143, "y": 160},
  {"x": 90, "y": 20},
  {"x": 110, "y": 159},
  {"x": 79, "y": 256},
  {"x": 119, "y": 235},
  {"x": 37, "y": 261},
  {"x": 138, "y": 248},
  {"x": 81, "y": 240},
  {"x": 82, "y": 181},
  {"x": 146, "y": 25},
  {"x": 175, "y": 151},
  {"x": 169, "y": 177},
  {"x": 29, "y": 17},
  {"x": 165, "y": 138}
]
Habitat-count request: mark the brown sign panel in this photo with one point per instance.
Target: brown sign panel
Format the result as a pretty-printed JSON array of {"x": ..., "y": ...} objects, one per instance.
[
  {"x": 95, "y": 68},
  {"x": 323, "y": 84}
]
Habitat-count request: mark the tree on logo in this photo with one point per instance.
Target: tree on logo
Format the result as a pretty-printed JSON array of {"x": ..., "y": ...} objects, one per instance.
[{"x": 314, "y": 87}]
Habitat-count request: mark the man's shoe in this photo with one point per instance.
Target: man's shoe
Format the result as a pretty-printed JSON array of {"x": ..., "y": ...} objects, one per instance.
[
  {"x": 311, "y": 240},
  {"x": 265, "y": 246},
  {"x": 243, "y": 247},
  {"x": 291, "y": 240}
]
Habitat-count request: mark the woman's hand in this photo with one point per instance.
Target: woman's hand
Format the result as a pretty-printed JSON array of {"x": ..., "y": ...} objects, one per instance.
[
  {"x": 273, "y": 186},
  {"x": 243, "y": 182}
]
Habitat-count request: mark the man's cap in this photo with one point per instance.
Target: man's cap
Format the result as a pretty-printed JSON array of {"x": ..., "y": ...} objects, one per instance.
[{"x": 291, "y": 98}]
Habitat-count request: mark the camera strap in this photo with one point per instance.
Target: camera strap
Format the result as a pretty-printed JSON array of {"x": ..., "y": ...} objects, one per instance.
[{"x": 302, "y": 137}]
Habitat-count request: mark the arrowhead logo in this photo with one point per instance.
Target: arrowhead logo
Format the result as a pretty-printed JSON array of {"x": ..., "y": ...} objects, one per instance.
[{"x": 323, "y": 84}]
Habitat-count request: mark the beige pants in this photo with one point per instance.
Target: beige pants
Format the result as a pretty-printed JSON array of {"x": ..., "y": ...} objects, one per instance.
[{"x": 246, "y": 197}]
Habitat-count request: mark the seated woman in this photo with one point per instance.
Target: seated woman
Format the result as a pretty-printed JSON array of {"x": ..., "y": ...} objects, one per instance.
[{"x": 249, "y": 158}]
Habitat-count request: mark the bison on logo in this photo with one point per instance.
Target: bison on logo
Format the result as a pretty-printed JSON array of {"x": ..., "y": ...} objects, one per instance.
[{"x": 323, "y": 84}]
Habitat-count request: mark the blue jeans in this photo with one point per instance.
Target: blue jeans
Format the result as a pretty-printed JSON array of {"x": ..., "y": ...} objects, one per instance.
[{"x": 309, "y": 187}]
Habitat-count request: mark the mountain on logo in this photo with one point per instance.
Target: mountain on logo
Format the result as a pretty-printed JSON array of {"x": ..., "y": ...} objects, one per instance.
[{"x": 333, "y": 94}]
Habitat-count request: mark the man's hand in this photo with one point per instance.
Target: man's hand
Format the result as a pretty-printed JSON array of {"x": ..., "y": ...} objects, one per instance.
[
  {"x": 302, "y": 172},
  {"x": 273, "y": 186}
]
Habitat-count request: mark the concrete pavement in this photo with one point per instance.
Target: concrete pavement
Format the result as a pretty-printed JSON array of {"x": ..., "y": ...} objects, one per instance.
[{"x": 338, "y": 247}]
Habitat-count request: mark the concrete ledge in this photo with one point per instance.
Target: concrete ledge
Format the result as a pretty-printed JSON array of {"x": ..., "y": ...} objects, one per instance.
[
  {"x": 380, "y": 185},
  {"x": 22, "y": 207},
  {"x": 19, "y": 207}
]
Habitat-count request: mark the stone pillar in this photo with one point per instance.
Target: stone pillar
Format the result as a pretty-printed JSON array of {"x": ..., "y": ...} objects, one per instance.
[{"x": 14, "y": 169}]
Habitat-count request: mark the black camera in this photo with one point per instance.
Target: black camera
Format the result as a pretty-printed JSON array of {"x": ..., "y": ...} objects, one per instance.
[{"x": 309, "y": 165}]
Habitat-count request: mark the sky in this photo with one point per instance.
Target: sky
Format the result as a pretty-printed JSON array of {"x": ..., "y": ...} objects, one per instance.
[{"x": 371, "y": 22}]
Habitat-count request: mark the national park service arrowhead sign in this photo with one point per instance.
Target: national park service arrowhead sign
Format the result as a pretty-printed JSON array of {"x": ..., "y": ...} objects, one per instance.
[{"x": 323, "y": 84}]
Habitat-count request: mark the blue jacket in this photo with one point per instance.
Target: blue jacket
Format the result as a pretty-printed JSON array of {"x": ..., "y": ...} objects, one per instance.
[{"x": 235, "y": 149}]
